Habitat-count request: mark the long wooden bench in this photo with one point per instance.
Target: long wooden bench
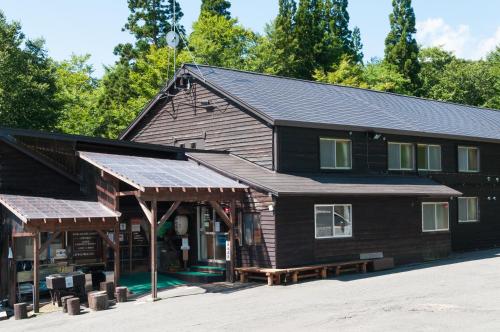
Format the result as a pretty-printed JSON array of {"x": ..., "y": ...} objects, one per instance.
[{"x": 275, "y": 276}]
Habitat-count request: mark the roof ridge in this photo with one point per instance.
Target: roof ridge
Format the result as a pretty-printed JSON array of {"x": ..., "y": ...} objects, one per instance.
[{"x": 344, "y": 86}]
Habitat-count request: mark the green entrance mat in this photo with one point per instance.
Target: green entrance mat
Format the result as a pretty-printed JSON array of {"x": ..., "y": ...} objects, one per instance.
[{"x": 140, "y": 283}]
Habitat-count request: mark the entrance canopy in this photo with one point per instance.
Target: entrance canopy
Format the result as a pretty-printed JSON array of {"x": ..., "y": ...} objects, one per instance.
[{"x": 154, "y": 174}]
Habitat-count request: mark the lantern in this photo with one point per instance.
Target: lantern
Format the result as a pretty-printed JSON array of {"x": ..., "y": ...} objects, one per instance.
[{"x": 181, "y": 224}]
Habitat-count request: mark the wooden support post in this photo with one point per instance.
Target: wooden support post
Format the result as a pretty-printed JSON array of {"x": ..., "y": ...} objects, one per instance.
[
  {"x": 232, "y": 247},
  {"x": 117, "y": 265},
  {"x": 154, "y": 218},
  {"x": 36, "y": 272}
]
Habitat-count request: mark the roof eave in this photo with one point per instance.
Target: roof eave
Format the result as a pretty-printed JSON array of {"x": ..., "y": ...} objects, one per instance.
[{"x": 319, "y": 125}]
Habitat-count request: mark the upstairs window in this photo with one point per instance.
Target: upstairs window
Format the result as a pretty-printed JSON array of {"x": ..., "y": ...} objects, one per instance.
[
  {"x": 429, "y": 157},
  {"x": 468, "y": 159},
  {"x": 401, "y": 156},
  {"x": 333, "y": 220},
  {"x": 335, "y": 153},
  {"x": 435, "y": 216},
  {"x": 468, "y": 209}
]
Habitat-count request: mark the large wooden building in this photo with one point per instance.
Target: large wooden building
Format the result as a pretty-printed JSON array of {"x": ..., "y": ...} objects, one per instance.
[
  {"x": 259, "y": 171},
  {"x": 340, "y": 172}
]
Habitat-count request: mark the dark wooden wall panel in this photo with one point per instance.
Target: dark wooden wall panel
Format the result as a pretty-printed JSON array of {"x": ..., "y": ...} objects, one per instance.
[
  {"x": 21, "y": 174},
  {"x": 390, "y": 225},
  {"x": 299, "y": 152},
  {"x": 263, "y": 255},
  {"x": 226, "y": 127}
]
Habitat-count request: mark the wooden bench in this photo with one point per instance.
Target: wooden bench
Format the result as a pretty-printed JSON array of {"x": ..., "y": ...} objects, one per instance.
[
  {"x": 273, "y": 276},
  {"x": 294, "y": 274}
]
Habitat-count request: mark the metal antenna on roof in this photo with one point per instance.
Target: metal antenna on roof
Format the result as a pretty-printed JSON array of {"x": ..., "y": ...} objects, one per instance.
[{"x": 173, "y": 38}]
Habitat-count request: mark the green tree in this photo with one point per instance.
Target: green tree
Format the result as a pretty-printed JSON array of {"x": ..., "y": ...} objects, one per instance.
[
  {"x": 382, "y": 76},
  {"x": 433, "y": 62},
  {"x": 357, "y": 45},
  {"x": 276, "y": 52},
  {"x": 468, "y": 82},
  {"x": 401, "y": 49},
  {"x": 27, "y": 81},
  {"x": 149, "y": 22},
  {"x": 216, "y": 7},
  {"x": 219, "y": 41},
  {"x": 347, "y": 72},
  {"x": 76, "y": 91}
]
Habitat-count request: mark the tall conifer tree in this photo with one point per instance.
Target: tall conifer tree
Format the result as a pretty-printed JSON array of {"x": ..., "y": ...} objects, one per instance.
[
  {"x": 401, "y": 49},
  {"x": 217, "y": 7}
]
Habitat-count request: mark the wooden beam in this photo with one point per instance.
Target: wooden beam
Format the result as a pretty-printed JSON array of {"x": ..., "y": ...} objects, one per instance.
[
  {"x": 145, "y": 209},
  {"x": 106, "y": 239},
  {"x": 47, "y": 243},
  {"x": 167, "y": 215},
  {"x": 192, "y": 196},
  {"x": 126, "y": 193},
  {"x": 154, "y": 217},
  {"x": 36, "y": 273},
  {"x": 220, "y": 211}
]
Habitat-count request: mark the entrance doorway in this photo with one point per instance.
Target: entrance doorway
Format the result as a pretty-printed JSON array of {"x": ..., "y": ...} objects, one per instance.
[{"x": 212, "y": 236}]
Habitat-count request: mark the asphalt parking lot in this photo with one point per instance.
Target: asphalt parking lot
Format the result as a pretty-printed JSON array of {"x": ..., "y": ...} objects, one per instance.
[{"x": 459, "y": 294}]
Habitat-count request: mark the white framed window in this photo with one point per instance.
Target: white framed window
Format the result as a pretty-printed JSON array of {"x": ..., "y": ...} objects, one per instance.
[
  {"x": 435, "y": 216},
  {"x": 332, "y": 220},
  {"x": 335, "y": 153},
  {"x": 468, "y": 159},
  {"x": 401, "y": 156},
  {"x": 468, "y": 209},
  {"x": 429, "y": 157}
]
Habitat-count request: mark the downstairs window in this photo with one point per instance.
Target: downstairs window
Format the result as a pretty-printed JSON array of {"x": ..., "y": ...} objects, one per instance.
[{"x": 435, "y": 216}]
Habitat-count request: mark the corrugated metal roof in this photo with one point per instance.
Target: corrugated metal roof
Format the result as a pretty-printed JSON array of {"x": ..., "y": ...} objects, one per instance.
[
  {"x": 314, "y": 184},
  {"x": 32, "y": 207},
  {"x": 145, "y": 172},
  {"x": 292, "y": 100}
]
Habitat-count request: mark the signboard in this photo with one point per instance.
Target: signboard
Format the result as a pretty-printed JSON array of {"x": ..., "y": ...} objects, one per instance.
[
  {"x": 228, "y": 251},
  {"x": 69, "y": 281},
  {"x": 136, "y": 228},
  {"x": 85, "y": 244}
]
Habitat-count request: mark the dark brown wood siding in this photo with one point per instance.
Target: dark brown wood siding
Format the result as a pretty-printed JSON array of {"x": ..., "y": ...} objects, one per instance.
[
  {"x": 21, "y": 174},
  {"x": 224, "y": 127},
  {"x": 299, "y": 152},
  {"x": 389, "y": 225},
  {"x": 263, "y": 255}
]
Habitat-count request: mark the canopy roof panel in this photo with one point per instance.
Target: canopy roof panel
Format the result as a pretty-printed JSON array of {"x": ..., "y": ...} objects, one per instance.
[
  {"x": 32, "y": 207},
  {"x": 327, "y": 184},
  {"x": 146, "y": 172}
]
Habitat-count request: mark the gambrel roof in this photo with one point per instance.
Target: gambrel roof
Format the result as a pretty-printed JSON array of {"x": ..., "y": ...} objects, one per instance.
[{"x": 293, "y": 102}]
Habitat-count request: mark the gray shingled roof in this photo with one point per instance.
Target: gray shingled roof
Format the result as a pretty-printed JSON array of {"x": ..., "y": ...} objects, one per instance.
[
  {"x": 320, "y": 184},
  {"x": 145, "y": 172},
  {"x": 32, "y": 207},
  {"x": 306, "y": 102}
]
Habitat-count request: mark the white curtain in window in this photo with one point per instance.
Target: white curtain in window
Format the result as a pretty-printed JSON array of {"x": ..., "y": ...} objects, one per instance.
[
  {"x": 394, "y": 156},
  {"x": 327, "y": 153}
]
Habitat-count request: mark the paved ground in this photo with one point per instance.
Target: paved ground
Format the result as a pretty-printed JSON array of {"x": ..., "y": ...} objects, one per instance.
[{"x": 460, "y": 294}]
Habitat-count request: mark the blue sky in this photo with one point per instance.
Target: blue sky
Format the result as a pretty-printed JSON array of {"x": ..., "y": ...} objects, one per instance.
[{"x": 470, "y": 29}]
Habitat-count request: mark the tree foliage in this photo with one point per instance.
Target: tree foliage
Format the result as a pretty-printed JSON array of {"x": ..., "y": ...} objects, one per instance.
[
  {"x": 27, "y": 81},
  {"x": 401, "y": 49},
  {"x": 216, "y": 7},
  {"x": 219, "y": 41}
]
